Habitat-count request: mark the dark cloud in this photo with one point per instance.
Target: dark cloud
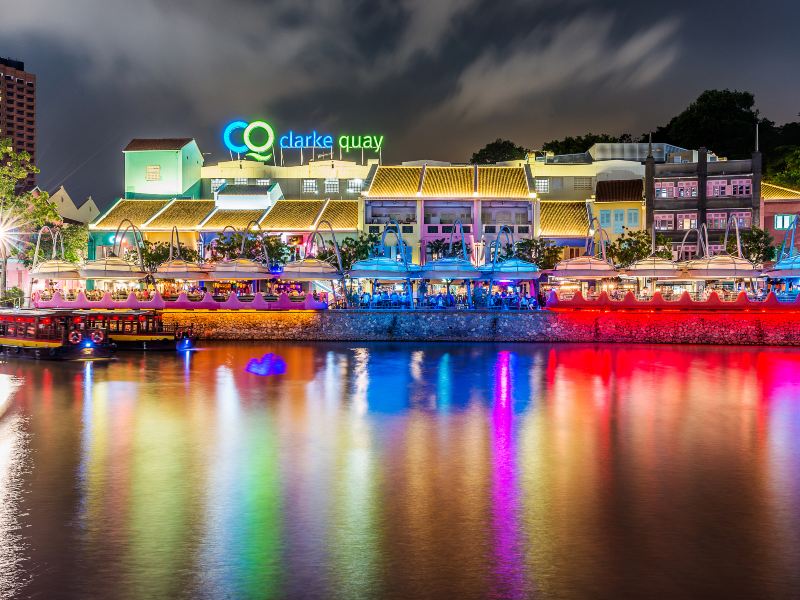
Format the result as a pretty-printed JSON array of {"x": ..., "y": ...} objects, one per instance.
[{"x": 438, "y": 77}]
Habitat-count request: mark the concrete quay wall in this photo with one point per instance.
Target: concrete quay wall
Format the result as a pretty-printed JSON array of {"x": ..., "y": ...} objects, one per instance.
[{"x": 455, "y": 326}]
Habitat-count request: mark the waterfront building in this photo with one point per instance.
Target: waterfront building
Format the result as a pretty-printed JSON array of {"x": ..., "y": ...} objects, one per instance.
[
  {"x": 619, "y": 206},
  {"x": 18, "y": 109},
  {"x": 70, "y": 212},
  {"x": 168, "y": 185},
  {"x": 681, "y": 195},
  {"x": 779, "y": 206}
]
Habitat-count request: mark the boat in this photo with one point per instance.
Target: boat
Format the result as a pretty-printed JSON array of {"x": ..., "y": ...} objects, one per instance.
[
  {"x": 52, "y": 335},
  {"x": 141, "y": 330}
]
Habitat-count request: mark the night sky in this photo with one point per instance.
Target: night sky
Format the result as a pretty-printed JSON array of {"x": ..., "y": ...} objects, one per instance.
[{"x": 439, "y": 78}]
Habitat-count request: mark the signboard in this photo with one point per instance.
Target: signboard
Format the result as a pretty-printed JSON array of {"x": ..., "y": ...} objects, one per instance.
[{"x": 258, "y": 139}]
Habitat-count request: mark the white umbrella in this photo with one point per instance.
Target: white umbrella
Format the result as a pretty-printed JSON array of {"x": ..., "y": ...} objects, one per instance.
[
  {"x": 178, "y": 268},
  {"x": 512, "y": 268},
  {"x": 653, "y": 266},
  {"x": 385, "y": 268},
  {"x": 239, "y": 268},
  {"x": 55, "y": 268},
  {"x": 111, "y": 267},
  {"x": 584, "y": 267},
  {"x": 721, "y": 266},
  {"x": 450, "y": 268},
  {"x": 310, "y": 269}
]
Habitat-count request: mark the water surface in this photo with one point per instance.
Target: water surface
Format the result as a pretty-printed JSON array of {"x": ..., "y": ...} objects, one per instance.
[{"x": 403, "y": 471}]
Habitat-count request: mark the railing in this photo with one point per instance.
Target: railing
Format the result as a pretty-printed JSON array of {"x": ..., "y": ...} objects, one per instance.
[
  {"x": 183, "y": 302},
  {"x": 604, "y": 302}
]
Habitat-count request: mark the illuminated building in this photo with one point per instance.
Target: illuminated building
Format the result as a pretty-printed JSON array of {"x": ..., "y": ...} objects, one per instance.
[
  {"x": 18, "y": 109},
  {"x": 168, "y": 185},
  {"x": 779, "y": 207},
  {"x": 687, "y": 192}
]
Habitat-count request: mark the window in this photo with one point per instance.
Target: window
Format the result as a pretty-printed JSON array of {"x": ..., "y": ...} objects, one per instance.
[
  {"x": 354, "y": 186},
  {"x": 583, "y": 183},
  {"x": 716, "y": 220},
  {"x": 240, "y": 181},
  {"x": 633, "y": 218},
  {"x": 619, "y": 220},
  {"x": 331, "y": 186},
  {"x": 309, "y": 186},
  {"x": 718, "y": 188},
  {"x": 542, "y": 186},
  {"x": 605, "y": 219},
  {"x": 687, "y": 221},
  {"x": 665, "y": 189},
  {"x": 262, "y": 182},
  {"x": 152, "y": 173},
  {"x": 664, "y": 222},
  {"x": 714, "y": 249},
  {"x": 743, "y": 219},
  {"x": 783, "y": 221},
  {"x": 217, "y": 183}
]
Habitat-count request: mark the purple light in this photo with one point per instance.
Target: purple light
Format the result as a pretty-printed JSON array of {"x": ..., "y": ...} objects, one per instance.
[{"x": 269, "y": 364}]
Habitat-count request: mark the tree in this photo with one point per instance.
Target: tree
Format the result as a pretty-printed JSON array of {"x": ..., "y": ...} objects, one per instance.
[
  {"x": 155, "y": 254},
  {"x": 757, "y": 246},
  {"x": 440, "y": 248},
  {"x": 544, "y": 253},
  {"x": 722, "y": 120},
  {"x": 636, "y": 245},
  {"x": 499, "y": 150},
  {"x": 230, "y": 246},
  {"x": 581, "y": 143},
  {"x": 351, "y": 250},
  {"x": 75, "y": 237},
  {"x": 22, "y": 213},
  {"x": 785, "y": 169}
]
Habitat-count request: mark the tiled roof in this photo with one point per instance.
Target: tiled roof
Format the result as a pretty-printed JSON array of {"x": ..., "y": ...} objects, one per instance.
[
  {"x": 137, "y": 211},
  {"x": 181, "y": 214},
  {"x": 448, "y": 182},
  {"x": 156, "y": 144},
  {"x": 563, "y": 219},
  {"x": 342, "y": 214},
  {"x": 245, "y": 190},
  {"x": 619, "y": 190},
  {"x": 502, "y": 182},
  {"x": 395, "y": 182},
  {"x": 235, "y": 218},
  {"x": 293, "y": 215},
  {"x": 770, "y": 191}
]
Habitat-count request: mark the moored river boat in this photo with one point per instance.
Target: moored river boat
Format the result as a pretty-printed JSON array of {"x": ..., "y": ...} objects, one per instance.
[
  {"x": 141, "y": 330},
  {"x": 52, "y": 335}
]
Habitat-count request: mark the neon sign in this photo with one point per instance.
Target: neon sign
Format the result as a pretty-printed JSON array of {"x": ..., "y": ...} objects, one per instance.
[
  {"x": 249, "y": 148},
  {"x": 293, "y": 140}
]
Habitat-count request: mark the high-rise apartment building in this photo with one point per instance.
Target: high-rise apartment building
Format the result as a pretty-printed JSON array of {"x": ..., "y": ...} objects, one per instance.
[{"x": 18, "y": 109}]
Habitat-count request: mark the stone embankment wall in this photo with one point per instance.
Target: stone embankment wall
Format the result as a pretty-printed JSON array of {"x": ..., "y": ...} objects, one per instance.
[{"x": 540, "y": 326}]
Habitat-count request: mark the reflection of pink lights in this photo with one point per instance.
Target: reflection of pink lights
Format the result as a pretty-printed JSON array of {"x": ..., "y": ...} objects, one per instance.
[{"x": 508, "y": 551}]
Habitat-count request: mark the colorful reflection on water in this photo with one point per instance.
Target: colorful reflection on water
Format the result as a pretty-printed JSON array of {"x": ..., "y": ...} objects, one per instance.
[{"x": 403, "y": 471}]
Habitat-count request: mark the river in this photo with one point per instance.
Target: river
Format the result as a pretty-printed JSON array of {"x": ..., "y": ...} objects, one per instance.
[{"x": 286, "y": 470}]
